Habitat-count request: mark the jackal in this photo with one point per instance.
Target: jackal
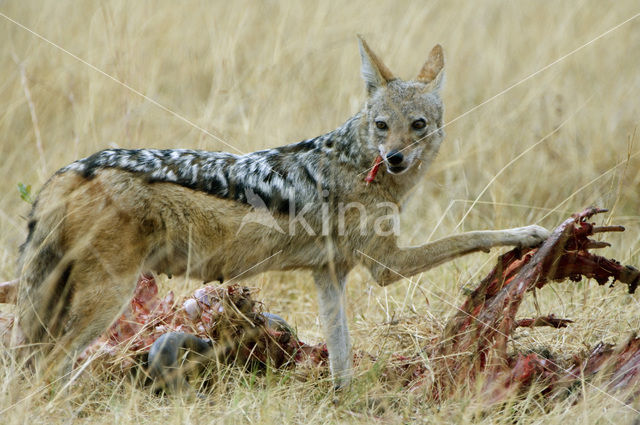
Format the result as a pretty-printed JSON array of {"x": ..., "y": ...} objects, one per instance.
[{"x": 101, "y": 221}]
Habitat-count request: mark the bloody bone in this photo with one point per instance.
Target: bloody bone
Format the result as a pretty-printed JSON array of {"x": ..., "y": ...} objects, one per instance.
[
  {"x": 563, "y": 255},
  {"x": 226, "y": 315},
  {"x": 486, "y": 320}
]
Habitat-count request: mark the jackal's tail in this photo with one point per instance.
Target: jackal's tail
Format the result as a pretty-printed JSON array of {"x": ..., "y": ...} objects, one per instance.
[{"x": 44, "y": 292}]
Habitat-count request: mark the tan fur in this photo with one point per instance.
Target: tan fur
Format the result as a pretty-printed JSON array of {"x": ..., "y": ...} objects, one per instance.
[
  {"x": 432, "y": 66},
  {"x": 95, "y": 235},
  {"x": 382, "y": 69}
]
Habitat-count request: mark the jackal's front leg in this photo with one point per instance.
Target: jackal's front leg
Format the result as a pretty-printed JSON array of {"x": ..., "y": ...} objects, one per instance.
[
  {"x": 388, "y": 263},
  {"x": 331, "y": 284}
]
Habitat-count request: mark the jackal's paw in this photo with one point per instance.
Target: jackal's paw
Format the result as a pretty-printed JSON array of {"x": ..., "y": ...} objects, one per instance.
[{"x": 531, "y": 235}]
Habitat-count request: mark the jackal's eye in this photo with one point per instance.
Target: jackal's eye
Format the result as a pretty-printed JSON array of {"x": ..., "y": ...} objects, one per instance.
[
  {"x": 418, "y": 124},
  {"x": 381, "y": 125}
]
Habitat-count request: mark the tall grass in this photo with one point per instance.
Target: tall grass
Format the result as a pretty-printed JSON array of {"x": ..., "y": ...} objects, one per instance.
[{"x": 262, "y": 74}]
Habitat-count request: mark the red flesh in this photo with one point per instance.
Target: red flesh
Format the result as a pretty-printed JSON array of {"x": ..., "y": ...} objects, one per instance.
[{"x": 374, "y": 169}]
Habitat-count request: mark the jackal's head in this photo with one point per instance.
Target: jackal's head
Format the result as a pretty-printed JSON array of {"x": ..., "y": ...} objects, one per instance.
[{"x": 404, "y": 118}]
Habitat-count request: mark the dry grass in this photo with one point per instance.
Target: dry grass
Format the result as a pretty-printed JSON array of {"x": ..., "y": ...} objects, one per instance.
[{"x": 264, "y": 74}]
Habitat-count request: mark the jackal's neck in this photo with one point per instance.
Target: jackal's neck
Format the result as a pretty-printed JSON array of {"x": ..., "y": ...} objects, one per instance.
[{"x": 352, "y": 144}]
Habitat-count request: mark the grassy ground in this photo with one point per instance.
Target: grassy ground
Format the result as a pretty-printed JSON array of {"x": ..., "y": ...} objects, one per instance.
[{"x": 522, "y": 147}]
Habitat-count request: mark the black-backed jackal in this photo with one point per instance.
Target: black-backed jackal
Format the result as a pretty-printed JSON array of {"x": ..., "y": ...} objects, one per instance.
[{"x": 101, "y": 221}]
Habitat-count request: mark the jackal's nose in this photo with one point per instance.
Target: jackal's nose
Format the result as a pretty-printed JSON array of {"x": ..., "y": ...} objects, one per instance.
[{"x": 394, "y": 157}]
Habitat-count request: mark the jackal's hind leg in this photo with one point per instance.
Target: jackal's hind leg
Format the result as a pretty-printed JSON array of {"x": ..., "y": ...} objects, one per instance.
[
  {"x": 100, "y": 293},
  {"x": 331, "y": 301}
]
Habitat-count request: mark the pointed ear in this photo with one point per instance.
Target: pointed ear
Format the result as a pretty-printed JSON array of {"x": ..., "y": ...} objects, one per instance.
[
  {"x": 432, "y": 72},
  {"x": 374, "y": 72}
]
